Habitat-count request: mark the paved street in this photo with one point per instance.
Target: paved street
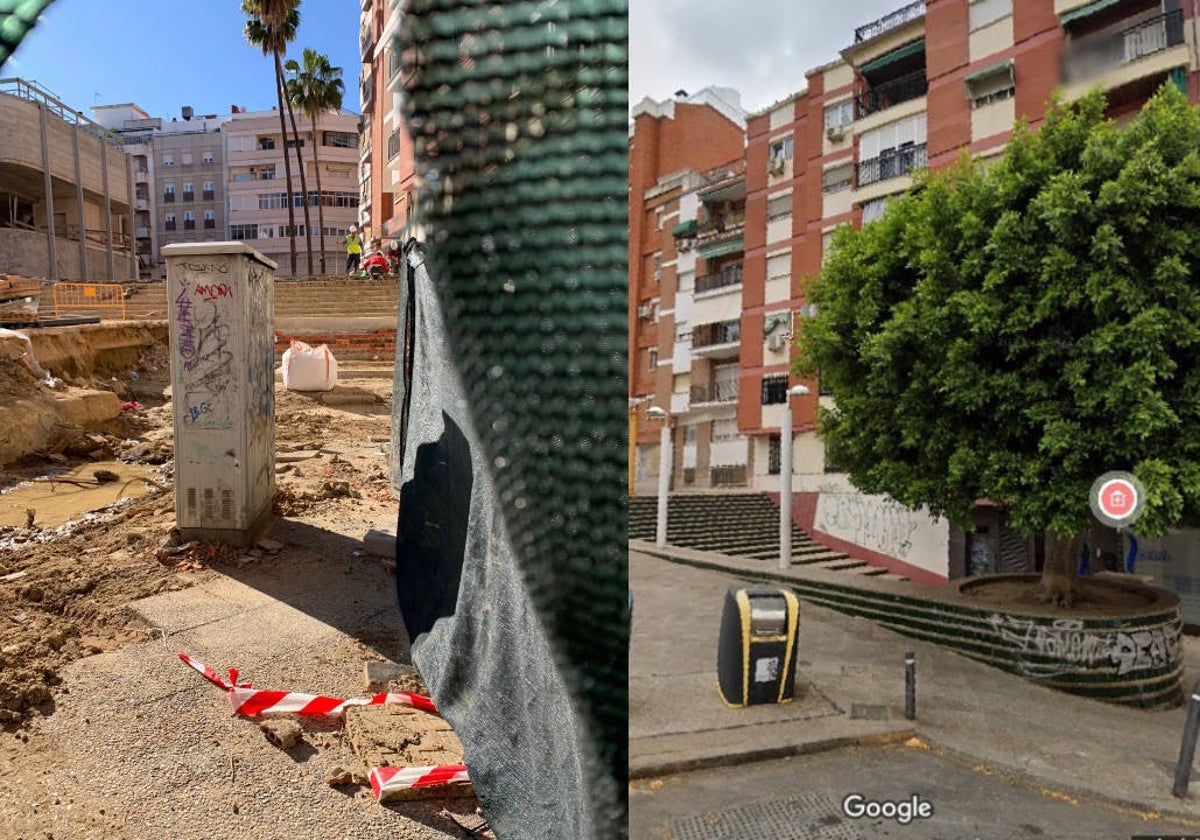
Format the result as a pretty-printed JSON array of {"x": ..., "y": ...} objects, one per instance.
[
  {"x": 801, "y": 798},
  {"x": 1045, "y": 759}
]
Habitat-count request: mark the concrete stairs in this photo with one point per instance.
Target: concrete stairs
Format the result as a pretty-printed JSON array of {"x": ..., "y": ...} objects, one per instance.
[
  {"x": 328, "y": 299},
  {"x": 737, "y": 524}
]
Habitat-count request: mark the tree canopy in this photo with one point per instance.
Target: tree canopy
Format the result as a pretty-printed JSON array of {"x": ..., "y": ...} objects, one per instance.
[{"x": 1012, "y": 332}]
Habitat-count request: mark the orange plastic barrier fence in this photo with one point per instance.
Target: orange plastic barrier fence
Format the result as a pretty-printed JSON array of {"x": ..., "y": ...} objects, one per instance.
[{"x": 69, "y": 297}]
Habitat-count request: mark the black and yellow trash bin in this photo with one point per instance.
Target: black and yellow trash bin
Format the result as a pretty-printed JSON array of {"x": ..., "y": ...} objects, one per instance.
[{"x": 756, "y": 653}]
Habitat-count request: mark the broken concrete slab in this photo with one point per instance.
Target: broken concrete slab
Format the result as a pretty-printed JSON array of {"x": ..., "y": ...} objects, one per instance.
[
  {"x": 380, "y": 544},
  {"x": 269, "y": 545},
  {"x": 400, "y": 736},
  {"x": 377, "y": 676},
  {"x": 294, "y": 457},
  {"x": 283, "y": 733}
]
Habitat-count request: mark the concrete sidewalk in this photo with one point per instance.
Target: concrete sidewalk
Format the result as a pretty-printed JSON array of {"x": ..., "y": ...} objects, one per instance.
[{"x": 1052, "y": 740}]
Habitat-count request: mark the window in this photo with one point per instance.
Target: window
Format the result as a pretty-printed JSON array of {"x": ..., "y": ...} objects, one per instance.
[
  {"x": 826, "y": 245},
  {"x": 837, "y": 178},
  {"x": 169, "y": 221},
  {"x": 779, "y": 206},
  {"x": 189, "y": 220},
  {"x": 189, "y": 191},
  {"x": 822, "y": 388},
  {"x": 291, "y": 144},
  {"x": 839, "y": 114},
  {"x": 210, "y": 219},
  {"x": 724, "y": 430},
  {"x": 906, "y": 132},
  {"x": 209, "y": 191},
  {"x": 340, "y": 139},
  {"x": 168, "y": 160},
  {"x": 774, "y": 454},
  {"x": 265, "y": 143},
  {"x": 783, "y": 148},
  {"x": 984, "y": 12},
  {"x": 243, "y": 231},
  {"x": 994, "y": 85},
  {"x": 774, "y": 389},
  {"x": 652, "y": 356},
  {"x": 169, "y": 192},
  {"x": 779, "y": 267},
  {"x": 187, "y": 159},
  {"x": 208, "y": 158},
  {"x": 872, "y": 211}
]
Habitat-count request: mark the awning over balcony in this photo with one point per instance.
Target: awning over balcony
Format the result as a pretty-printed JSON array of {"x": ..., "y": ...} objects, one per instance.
[
  {"x": 907, "y": 50},
  {"x": 1088, "y": 10},
  {"x": 733, "y": 190},
  {"x": 1000, "y": 68},
  {"x": 687, "y": 228},
  {"x": 720, "y": 249}
]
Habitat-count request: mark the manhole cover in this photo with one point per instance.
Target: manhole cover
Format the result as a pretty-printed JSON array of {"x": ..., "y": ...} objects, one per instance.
[
  {"x": 866, "y": 711},
  {"x": 812, "y": 816}
]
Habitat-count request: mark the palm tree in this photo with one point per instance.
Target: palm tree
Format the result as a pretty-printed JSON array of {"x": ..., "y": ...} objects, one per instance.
[
  {"x": 315, "y": 88},
  {"x": 272, "y": 25}
]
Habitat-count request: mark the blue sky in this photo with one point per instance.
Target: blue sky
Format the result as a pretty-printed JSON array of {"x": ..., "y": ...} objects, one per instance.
[{"x": 114, "y": 48}]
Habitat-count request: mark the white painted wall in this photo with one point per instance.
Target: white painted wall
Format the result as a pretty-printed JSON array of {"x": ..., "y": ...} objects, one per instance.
[{"x": 883, "y": 525}]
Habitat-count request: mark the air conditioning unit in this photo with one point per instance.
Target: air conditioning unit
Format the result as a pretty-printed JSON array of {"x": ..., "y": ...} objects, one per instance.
[
  {"x": 775, "y": 343},
  {"x": 777, "y": 165},
  {"x": 644, "y": 310},
  {"x": 835, "y": 132}
]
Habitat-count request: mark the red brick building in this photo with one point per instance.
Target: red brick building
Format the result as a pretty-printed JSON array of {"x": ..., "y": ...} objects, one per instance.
[{"x": 912, "y": 89}]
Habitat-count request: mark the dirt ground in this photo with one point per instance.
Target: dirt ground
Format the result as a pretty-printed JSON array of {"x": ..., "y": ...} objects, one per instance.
[{"x": 65, "y": 590}]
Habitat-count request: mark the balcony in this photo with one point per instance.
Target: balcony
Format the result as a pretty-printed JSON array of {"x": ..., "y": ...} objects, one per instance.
[
  {"x": 367, "y": 92},
  {"x": 143, "y": 203},
  {"x": 892, "y": 20},
  {"x": 189, "y": 196},
  {"x": 143, "y": 232},
  {"x": 366, "y": 42},
  {"x": 209, "y": 195},
  {"x": 169, "y": 198},
  {"x": 891, "y": 164},
  {"x": 1091, "y": 55},
  {"x": 719, "y": 340},
  {"x": 728, "y": 276},
  {"x": 720, "y": 174},
  {"x": 717, "y": 392},
  {"x": 141, "y": 176},
  {"x": 892, "y": 92}
]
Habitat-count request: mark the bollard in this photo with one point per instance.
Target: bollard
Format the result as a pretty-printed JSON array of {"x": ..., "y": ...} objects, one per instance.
[
  {"x": 1187, "y": 750},
  {"x": 910, "y": 685}
]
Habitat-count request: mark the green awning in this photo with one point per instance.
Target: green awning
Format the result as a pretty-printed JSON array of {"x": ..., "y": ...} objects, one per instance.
[
  {"x": 719, "y": 249},
  {"x": 1088, "y": 10},
  {"x": 687, "y": 228},
  {"x": 907, "y": 50},
  {"x": 992, "y": 70}
]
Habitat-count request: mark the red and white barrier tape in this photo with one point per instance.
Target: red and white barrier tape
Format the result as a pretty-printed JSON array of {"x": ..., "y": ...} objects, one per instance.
[
  {"x": 250, "y": 701},
  {"x": 386, "y": 781}
]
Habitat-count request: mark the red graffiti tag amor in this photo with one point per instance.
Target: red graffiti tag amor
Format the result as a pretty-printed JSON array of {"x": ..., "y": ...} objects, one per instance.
[{"x": 214, "y": 291}]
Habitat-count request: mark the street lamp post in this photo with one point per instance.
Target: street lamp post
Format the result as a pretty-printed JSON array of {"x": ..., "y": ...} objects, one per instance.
[
  {"x": 785, "y": 477},
  {"x": 666, "y": 461}
]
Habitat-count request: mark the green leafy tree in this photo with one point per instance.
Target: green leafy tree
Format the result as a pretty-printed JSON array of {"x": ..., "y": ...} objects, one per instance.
[
  {"x": 315, "y": 88},
  {"x": 1015, "y": 332},
  {"x": 271, "y": 25}
]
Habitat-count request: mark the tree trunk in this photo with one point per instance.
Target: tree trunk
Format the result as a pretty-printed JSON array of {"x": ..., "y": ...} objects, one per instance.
[
  {"x": 1060, "y": 576},
  {"x": 303, "y": 180},
  {"x": 287, "y": 166},
  {"x": 320, "y": 198}
]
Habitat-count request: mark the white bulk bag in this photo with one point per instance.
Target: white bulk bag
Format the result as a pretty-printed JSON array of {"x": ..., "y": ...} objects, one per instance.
[{"x": 309, "y": 368}]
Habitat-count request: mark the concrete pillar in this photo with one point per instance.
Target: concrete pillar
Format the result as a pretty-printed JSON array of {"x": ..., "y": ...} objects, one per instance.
[
  {"x": 132, "y": 194},
  {"x": 221, "y": 310},
  {"x": 83, "y": 267},
  {"x": 52, "y": 273},
  {"x": 107, "y": 209}
]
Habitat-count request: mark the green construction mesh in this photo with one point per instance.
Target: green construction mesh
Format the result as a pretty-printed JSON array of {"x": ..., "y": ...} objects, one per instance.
[
  {"x": 519, "y": 113},
  {"x": 17, "y": 17}
]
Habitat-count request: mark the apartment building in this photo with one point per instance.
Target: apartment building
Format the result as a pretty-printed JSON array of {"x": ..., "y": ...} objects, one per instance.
[
  {"x": 912, "y": 89},
  {"x": 66, "y": 191},
  {"x": 257, "y": 186},
  {"x": 386, "y": 165},
  {"x": 681, "y": 342}
]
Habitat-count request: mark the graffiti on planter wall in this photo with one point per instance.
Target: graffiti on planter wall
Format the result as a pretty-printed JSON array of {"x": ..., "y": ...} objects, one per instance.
[{"x": 1070, "y": 642}]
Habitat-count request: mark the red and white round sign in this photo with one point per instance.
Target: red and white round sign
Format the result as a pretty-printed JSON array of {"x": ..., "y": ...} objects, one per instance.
[{"x": 1118, "y": 498}]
